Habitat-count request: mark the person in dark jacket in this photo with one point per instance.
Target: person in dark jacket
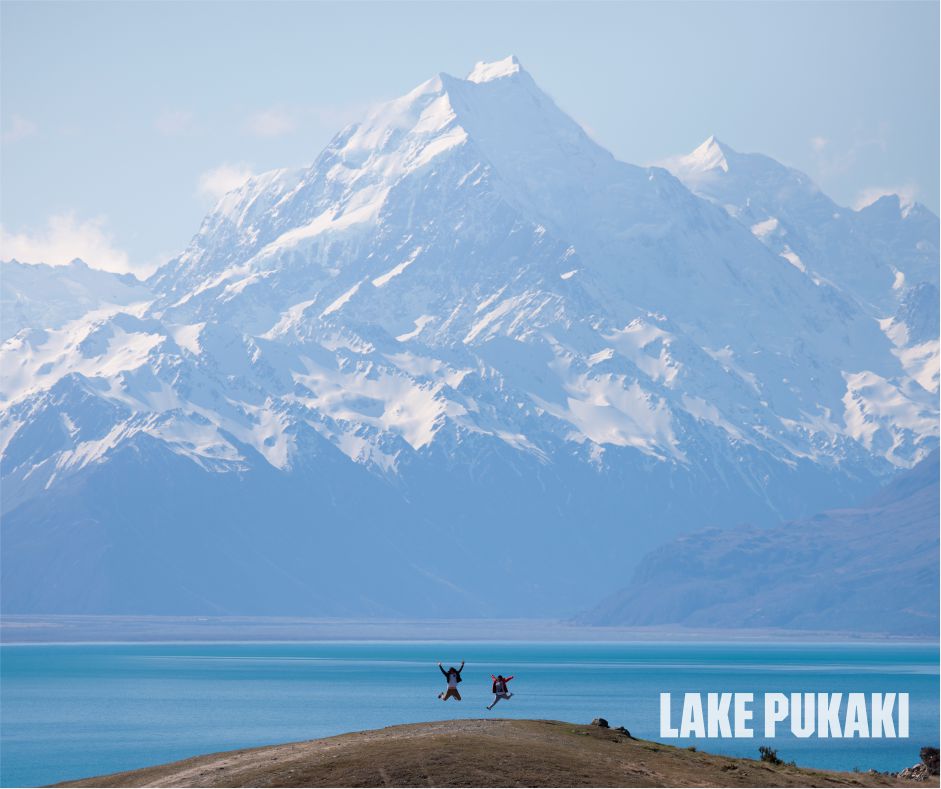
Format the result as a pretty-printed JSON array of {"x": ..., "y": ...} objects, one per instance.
[
  {"x": 453, "y": 676},
  {"x": 500, "y": 690}
]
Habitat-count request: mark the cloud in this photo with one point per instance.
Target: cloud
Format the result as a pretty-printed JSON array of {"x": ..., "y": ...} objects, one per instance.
[
  {"x": 281, "y": 121},
  {"x": 19, "y": 129},
  {"x": 173, "y": 122},
  {"x": 220, "y": 180},
  {"x": 834, "y": 161},
  {"x": 336, "y": 116},
  {"x": 818, "y": 143},
  {"x": 868, "y": 196},
  {"x": 271, "y": 123},
  {"x": 64, "y": 238}
]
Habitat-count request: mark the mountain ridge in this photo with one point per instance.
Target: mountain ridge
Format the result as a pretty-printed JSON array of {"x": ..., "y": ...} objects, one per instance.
[
  {"x": 472, "y": 311},
  {"x": 871, "y": 568}
]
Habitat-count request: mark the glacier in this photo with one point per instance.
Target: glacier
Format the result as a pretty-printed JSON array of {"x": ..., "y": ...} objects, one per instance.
[{"x": 465, "y": 363}]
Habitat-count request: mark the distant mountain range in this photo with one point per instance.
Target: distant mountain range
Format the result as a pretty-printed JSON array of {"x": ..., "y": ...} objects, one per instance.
[
  {"x": 34, "y": 296},
  {"x": 872, "y": 568},
  {"x": 466, "y": 363}
]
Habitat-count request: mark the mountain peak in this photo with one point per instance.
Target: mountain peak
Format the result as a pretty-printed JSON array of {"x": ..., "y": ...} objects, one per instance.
[
  {"x": 712, "y": 154},
  {"x": 710, "y": 160},
  {"x": 891, "y": 205},
  {"x": 487, "y": 72}
]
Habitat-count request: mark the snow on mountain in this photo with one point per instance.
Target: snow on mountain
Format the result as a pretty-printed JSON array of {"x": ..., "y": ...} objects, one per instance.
[
  {"x": 42, "y": 296},
  {"x": 884, "y": 257},
  {"x": 472, "y": 321},
  {"x": 874, "y": 254}
]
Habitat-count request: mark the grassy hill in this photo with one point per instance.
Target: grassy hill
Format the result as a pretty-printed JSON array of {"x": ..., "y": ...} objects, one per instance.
[{"x": 479, "y": 753}]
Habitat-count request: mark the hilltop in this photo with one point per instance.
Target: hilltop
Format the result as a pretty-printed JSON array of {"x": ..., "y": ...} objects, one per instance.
[{"x": 479, "y": 753}]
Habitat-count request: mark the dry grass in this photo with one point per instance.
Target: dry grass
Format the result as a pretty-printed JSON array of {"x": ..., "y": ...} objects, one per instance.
[{"x": 478, "y": 753}]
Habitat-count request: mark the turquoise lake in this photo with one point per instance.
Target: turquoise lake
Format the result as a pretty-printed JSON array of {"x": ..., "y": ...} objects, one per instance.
[{"x": 71, "y": 711}]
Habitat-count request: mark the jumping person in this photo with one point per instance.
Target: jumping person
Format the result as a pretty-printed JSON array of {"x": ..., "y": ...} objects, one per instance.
[
  {"x": 453, "y": 676},
  {"x": 500, "y": 690}
]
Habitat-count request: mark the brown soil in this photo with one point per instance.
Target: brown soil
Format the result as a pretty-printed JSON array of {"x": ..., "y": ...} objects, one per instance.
[{"x": 479, "y": 753}]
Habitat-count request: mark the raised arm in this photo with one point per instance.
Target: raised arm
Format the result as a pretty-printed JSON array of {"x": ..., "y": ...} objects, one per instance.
[
  {"x": 507, "y": 679},
  {"x": 441, "y": 669},
  {"x": 461, "y": 668}
]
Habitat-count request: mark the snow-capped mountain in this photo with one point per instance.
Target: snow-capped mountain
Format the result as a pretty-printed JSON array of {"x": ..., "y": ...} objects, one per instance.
[
  {"x": 34, "y": 296},
  {"x": 465, "y": 357},
  {"x": 873, "y": 254},
  {"x": 884, "y": 256}
]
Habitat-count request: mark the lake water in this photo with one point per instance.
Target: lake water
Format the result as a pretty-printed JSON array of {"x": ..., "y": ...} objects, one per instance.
[{"x": 70, "y": 711}]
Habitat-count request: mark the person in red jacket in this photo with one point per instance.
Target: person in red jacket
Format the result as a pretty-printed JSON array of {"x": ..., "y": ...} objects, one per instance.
[{"x": 500, "y": 690}]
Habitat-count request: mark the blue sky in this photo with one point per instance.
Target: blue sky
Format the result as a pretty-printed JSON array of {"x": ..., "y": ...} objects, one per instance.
[{"x": 121, "y": 122}]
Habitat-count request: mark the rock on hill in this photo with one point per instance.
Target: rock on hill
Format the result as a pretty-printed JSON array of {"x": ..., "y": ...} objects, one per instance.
[{"x": 479, "y": 753}]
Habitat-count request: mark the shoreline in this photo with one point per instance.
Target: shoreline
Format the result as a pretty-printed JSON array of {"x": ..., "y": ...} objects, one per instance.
[{"x": 64, "y": 629}]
